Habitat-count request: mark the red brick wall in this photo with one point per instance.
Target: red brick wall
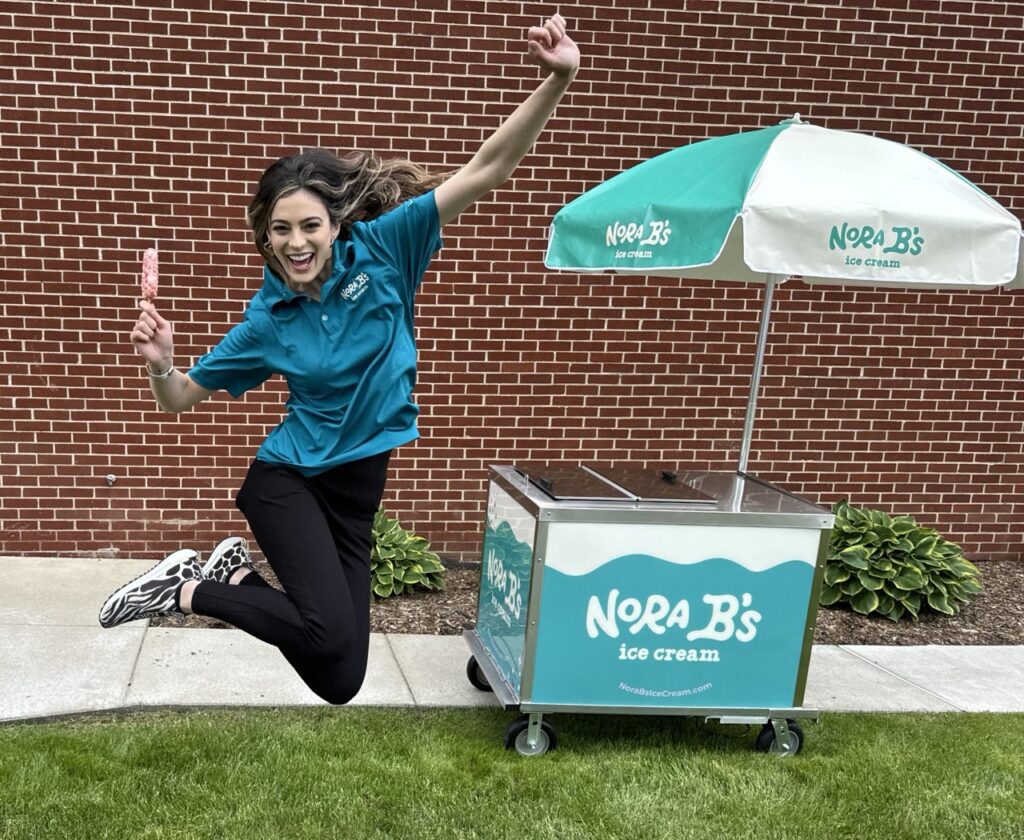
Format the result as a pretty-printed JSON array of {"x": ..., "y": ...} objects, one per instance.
[{"x": 128, "y": 124}]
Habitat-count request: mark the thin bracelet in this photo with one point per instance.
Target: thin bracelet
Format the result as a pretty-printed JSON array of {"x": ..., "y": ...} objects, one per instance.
[{"x": 163, "y": 375}]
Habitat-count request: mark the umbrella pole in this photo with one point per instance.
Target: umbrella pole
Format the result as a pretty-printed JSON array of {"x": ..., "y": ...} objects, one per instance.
[{"x": 755, "y": 377}]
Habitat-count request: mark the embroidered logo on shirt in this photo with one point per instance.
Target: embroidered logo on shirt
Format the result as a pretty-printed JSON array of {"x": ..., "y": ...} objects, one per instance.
[{"x": 354, "y": 290}]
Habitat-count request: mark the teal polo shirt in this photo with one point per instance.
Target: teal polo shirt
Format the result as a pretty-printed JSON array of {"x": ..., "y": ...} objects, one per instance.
[{"x": 350, "y": 358}]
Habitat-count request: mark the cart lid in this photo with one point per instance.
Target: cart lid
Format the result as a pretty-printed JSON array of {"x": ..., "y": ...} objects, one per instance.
[
  {"x": 565, "y": 482},
  {"x": 654, "y": 485}
]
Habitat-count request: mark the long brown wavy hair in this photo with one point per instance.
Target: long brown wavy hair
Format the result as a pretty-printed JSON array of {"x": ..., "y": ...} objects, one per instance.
[{"x": 356, "y": 187}]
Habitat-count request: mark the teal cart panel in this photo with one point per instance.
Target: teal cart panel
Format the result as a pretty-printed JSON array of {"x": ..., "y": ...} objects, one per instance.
[
  {"x": 509, "y": 536},
  {"x": 662, "y": 615}
]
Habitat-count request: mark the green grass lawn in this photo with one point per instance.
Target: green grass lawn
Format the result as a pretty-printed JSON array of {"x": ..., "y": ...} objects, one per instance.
[{"x": 399, "y": 773}]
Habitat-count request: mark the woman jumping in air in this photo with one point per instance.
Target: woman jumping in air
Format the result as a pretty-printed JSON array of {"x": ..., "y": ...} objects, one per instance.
[{"x": 346, "y": 243}]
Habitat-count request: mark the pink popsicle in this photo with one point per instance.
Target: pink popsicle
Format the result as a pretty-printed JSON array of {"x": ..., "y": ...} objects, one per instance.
[{"x": 149, "y": 274}]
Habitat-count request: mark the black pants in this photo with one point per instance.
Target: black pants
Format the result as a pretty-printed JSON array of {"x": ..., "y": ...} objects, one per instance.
[{"x": 316, "y": 534}]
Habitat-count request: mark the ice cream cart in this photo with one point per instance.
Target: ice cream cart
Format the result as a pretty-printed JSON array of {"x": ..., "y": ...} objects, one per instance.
[
  {"x": 641, "y": 591},
  {"x": 674, "y": 592}
]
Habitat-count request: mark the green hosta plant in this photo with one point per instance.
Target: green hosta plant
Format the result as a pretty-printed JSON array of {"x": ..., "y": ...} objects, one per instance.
[
  {"x": 891, "y": 566},
  {"x": 401, "y": 561}
]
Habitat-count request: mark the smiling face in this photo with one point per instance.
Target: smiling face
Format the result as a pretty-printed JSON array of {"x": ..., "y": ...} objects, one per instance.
[{"x": 301, "y": 235}]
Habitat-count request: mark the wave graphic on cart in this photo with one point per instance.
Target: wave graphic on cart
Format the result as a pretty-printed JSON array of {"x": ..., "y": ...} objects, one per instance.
[
  {"x": 580, "y": 548},
  {"x": 639, "y": 630}
]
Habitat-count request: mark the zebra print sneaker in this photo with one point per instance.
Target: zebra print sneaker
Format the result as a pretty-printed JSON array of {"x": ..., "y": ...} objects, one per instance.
[
  {"x": 154, "y": 593},
  {"x": 229, "y": 556}
]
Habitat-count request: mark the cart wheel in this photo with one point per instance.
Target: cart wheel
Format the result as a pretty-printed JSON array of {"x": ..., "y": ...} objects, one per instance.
[
  {"x": 768, "y": 742},
  {"x": 517, "y": 733},
  {"x": 476, "y": 675}
]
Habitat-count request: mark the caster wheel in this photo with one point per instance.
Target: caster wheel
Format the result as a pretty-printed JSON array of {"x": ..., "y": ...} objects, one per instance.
[
  {"x": 517, "y": 736},
  {"x": 768, "y": 742},
  {"x": 476, "y": 675}
]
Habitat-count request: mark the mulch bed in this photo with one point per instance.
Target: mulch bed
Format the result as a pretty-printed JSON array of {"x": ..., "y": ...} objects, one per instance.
[{"x": 993, "y": 617}]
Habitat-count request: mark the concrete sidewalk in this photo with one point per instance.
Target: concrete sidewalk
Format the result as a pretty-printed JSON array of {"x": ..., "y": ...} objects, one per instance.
[{"x": 56, "y": 660}]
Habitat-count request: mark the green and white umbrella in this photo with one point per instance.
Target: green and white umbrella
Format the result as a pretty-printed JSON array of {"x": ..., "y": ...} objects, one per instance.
[{"x": 792, "y": 200}]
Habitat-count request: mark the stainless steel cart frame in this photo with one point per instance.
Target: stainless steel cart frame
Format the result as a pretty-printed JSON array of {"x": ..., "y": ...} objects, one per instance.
[{"x": 593, "y": 579}]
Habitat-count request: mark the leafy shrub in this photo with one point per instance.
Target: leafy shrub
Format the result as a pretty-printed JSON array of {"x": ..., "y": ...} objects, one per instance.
[
  {"x": 892, "y": 566},
  {"x": 401, "y": 561}
]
